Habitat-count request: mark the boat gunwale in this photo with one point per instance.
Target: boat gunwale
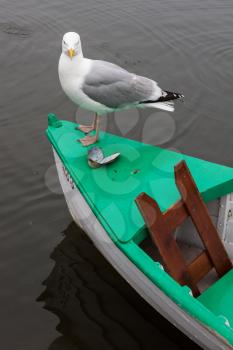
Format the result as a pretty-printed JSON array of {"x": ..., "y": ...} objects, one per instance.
[{"x": 153, "y": 271}]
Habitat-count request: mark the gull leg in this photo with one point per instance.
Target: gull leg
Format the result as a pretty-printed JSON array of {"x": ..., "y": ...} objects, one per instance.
[
  {"x": 89, "y": 140},
  {"x": 88, "y": 128}
]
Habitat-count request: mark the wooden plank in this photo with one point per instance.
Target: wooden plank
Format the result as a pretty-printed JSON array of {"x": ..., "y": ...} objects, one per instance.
[
  {"x": 201, "y": 219},
  {"x": 163, "y": 238},
  {"x": 175, "y": 215},
  {"x": 200, "y": 266}
]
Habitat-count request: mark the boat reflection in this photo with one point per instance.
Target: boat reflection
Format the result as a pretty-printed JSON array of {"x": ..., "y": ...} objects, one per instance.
[{"x": 96, "y": 307}]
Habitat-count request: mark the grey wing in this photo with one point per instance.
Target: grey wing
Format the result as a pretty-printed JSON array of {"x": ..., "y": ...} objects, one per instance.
[{"x": 114, "y": 86}]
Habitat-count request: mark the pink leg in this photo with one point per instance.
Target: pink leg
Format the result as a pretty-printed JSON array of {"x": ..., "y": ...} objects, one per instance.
[
  {"x": 87, "y": 128},
  {"x": 89, "y": 140}
]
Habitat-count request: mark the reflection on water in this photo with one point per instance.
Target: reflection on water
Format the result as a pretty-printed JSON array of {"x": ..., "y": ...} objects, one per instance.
[
  {"x": 96, "y": 307},
  {"x": 187, "y": 46}
]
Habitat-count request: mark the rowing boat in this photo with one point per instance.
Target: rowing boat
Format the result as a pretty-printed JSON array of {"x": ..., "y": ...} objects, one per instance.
[{"x": 107, "y": 203}]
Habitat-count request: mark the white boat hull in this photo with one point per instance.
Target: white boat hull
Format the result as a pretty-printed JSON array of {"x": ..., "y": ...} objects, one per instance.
[{"x": 85, "y": 218}]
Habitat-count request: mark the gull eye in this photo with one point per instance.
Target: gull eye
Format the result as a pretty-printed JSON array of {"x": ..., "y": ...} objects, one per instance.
[{"x": 64, "y": 42}]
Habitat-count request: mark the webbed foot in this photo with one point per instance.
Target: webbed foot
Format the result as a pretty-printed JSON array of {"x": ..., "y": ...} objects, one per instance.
[
  {"x": 86, "y": 128},
  {"x": 88, "y": 140}
]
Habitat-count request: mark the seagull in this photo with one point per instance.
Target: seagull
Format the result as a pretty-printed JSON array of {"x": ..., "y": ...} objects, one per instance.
[{"x": 103, "y": 87}]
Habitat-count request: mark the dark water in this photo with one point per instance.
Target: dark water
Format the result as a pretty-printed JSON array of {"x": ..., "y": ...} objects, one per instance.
[{"x": 187, "y": 45}]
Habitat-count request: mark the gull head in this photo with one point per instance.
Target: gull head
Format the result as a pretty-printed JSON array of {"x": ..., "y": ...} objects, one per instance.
[{"x": 71, "y": 45}]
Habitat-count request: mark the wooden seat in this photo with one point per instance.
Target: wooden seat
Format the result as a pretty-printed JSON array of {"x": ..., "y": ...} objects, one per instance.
[{"x": 162, "y": 226}]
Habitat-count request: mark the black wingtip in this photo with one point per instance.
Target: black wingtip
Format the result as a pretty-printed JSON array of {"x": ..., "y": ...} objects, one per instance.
[{"x": 166, "y": 96}]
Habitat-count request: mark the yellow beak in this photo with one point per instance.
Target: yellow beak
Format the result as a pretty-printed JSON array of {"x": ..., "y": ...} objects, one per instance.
[{"x": 71, "y": 53}]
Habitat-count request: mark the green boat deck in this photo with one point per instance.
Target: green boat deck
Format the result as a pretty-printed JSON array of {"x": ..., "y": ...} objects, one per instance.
[
  {"x": 219, "y": 297},
  {"x": 140, "y": 168},
  {"x": 111, "y": 190}
]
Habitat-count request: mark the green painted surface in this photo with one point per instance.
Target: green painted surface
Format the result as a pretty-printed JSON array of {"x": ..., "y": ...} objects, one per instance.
[
  {"x": 102, "y": 190},
  {"x": 53, "y": 121},
  {"x": 140, "y": 168},
  {"x": 180, "y": 295},
  {"x": 219, "y": 297}
]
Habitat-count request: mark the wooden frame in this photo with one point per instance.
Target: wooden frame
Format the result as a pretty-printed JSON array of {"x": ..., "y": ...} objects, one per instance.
[{"x": 162, "y": 226}]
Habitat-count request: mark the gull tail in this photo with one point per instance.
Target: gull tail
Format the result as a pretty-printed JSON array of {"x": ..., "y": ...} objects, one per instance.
[
  {"x": 166, "y": 106},
  {"x": 165, "y": 101}
]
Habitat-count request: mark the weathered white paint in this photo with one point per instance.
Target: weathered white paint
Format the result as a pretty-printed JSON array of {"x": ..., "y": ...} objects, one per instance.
[{"x": 84, "y": 217}]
